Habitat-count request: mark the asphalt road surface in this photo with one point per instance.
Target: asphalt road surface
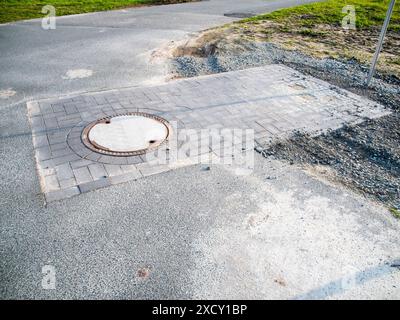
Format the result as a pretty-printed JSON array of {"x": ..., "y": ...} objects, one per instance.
[
  {"x": 114, "y": 47},
  {"x": 280, "y": 232}
]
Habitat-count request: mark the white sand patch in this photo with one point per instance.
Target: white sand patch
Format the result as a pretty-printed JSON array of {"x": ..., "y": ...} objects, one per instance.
[
  {"x": 7, "y": 93},
  {"x": 78, "y": 74}
]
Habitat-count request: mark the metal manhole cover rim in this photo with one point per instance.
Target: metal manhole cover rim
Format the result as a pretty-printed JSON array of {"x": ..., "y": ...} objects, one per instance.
[{"x": 102, "y": 150}]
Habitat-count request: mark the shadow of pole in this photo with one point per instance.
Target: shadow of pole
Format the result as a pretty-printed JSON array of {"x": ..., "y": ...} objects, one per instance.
[{"x": 348, "y": 282}]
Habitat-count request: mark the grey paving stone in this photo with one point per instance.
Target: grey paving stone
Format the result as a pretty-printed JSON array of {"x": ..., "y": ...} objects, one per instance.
[
  {"x": 51, "y": 183},
  {"x": 100, "y": 99},
  {"x": 75, "y": 117},
  {"x": 112, "y": 160},
  {"x": 43, "y": 153},
  {"x": 113, "y": 170},
  {"x": 97, "y": 171},
  {"x": 64, "y": 171},
  {"x": 62, "y": 194},
  {"x": 67, "y": 123},
  {"x": 51, "y": 123},
  {"x": 56, "y": 137},
  {"x": 81, "y": 150},
  {"x": 40, "y": 140},
  {"x": 64, "y": 159},
  {"x": 82, "y": 175},
  {"x": 93, "y": 156},
  {"x": 58, "y": 146},
  {"x": 134, "y": 160},
  {"x": 37, "y": 121},
  {"x": 80, "y": 163},
  {"x": 125, "y": 177},
  {"x": 33, "y": 108},
  {"x": 58, "y": 108},
  {"x": 61, "y": 152},
  {"x": 46, "y": 164},
  {"x": 65, "y": 184},
  {"x": 45, "y": 108},
  {"x": 70, "y": 109},
  {"x": 129, "y": 168},
  {"x": 56, "y": 115},
  {"x": 93, "y": 185},
  {"x": 147, "y": 169},
  {"x": 74, "y": 136}
]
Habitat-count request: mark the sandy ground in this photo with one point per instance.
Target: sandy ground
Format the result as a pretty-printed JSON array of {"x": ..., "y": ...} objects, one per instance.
[{"x": 301, "y": 238}]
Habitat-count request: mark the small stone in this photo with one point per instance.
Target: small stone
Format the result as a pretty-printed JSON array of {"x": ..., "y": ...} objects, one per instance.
[
  {"x": 143, "y": 273},
  {"x": 258, "y": 149}
]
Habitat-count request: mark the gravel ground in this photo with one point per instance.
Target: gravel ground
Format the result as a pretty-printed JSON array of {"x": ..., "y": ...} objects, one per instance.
[{"x": 365, "y": 157}]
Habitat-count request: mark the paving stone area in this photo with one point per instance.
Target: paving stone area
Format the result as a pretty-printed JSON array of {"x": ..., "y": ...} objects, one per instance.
[{"x": 273, "y": 101}]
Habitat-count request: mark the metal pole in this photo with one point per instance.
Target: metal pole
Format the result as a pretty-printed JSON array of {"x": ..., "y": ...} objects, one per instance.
[{"x": 380, "y": 42}]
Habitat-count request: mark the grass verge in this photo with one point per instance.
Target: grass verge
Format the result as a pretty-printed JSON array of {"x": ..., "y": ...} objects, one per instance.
[
  {"x": 395, "y": 213},
  {"x": 14, "y": 10},
  {"x": 369, "y": 14},
  {"x": 316, "y": 29}
]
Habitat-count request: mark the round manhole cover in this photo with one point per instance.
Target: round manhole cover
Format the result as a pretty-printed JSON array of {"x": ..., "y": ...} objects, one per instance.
[{"x": 126, "y": 134}]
